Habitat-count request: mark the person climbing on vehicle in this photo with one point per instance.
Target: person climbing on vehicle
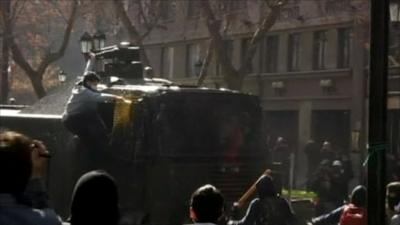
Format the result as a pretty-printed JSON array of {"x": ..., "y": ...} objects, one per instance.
[
  {"x": 81, "y": 116},
  {"x": 269, "y": 208}
]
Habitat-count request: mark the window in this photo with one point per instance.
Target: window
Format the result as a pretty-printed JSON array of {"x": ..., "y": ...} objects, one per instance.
[
  {"x": 192, "y": 59},
  {"x": 294, "y": 52},
  {"x": 319, "y": 51},
  {"x": 271, "y": 53},
  {"x": 344, "y": 47},
  {"x": 229, "y": 49},
  {"x": 194, "y": 8},
  {"x": 167, "y": 62},
  {"x": 335, "y": 7},
  {"x": 167, "y": 10},
  {"x": 231, "y": 5}
]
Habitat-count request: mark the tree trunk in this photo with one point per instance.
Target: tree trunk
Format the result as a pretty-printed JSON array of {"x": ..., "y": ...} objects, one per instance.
[
  {"x": 5, "y": 53},
  {"x": 206, "y": 62},
  {"x": 133, "y": 33},
  {"x": 37, "y": 84},
  {"x": 145, "y": 61}
]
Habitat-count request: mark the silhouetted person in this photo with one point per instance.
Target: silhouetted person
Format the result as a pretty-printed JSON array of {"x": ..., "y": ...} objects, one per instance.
[
  {"x": 354, "y": 212},
  {"x": 95, "y": 200},
  {"x": 312, "y": 152},
  {"x": 206, "y": 205},
  {"x": 23, "y": 199},
  {"x": 393, "y": 202},
  {"x": 281, "y": 154},
  {"x": 269, "y": 208},
  {"x": 321, "y": 184},
  {"x": 327, "y": 152},
  {"x": 339, "y": 182},
  {"x": 81, "y": 116}
]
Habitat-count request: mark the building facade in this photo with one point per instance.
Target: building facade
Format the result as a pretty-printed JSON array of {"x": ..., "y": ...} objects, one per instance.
[{"x": 310, "y": 70}]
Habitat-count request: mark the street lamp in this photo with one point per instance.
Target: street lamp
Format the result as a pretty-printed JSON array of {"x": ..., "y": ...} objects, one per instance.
[
  {"x": 394, "y": 49},
  {"x": 395, "y": 11},
  {"x": 99, "y": 39},
  {"x": 62, "y": 76},
  {"x": 86, "y": 43}
]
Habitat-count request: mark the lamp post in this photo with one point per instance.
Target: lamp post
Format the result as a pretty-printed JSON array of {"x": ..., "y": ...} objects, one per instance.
[
  {"x": 377, "y": 112},
  {"x": 62, "y": 76},
  {"x": 86, "y": 44},
  {"x": 99, "y": 39},
  {"x": 91, "y": 43}
]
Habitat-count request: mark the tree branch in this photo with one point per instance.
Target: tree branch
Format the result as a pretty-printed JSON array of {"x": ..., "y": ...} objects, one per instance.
[
  {"x": 213, "y": 26},
  {"x": 259, "y": 34},
  {"x": 203, "y": 72},
  {"x": 52, "y": 57},
  {"x": 19, "y": 6},
  {"x": 134, "y": 35},
  {"x": 19, "y": 58}
]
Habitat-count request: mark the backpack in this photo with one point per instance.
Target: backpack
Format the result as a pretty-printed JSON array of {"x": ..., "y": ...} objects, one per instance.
[
  {"x": 353, "y": 215},
  {"x": 272, "y": 212}
]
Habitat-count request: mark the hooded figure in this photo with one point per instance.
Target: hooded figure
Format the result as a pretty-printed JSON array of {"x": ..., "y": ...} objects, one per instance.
[
  {"x": 95, "y": 200},
  {"x": 268, "y": 208}
]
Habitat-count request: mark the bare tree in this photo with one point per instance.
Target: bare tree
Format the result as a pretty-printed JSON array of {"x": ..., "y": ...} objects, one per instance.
[
  {"x": 35, "y": 74},
  {"x": 149, "y": 15},
  {"x": 234, "y": 77}
]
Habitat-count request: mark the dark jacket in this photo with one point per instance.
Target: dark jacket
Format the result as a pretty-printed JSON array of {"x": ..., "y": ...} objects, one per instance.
[
  {"x": 95, "y": 200},
  {"x": 331, "y": 218},
  {"x": 84, "y": 101},
  {"x": 282, "y": 214},
  {"x": 269, "y": 208},
  {"x": 31, "y": 209}
]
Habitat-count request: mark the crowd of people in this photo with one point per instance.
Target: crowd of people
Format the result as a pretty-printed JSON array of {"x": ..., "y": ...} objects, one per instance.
[{"x": 95, "y": 200}]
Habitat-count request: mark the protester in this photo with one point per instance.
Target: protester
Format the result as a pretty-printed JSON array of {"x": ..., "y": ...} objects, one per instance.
[
  {"x": 95, "y": 200},
  {"x": 393, "y": 200},
  {"x": 206, "y": 205},
  {"x": 339, "y": 182},
  {"x": 353, "y": 213},
  {"x": 313, "y": 157},
  {"x": 327, "y": 152},
  {"x": 281, "y": 155},
  {"x": 23, "y": 199},
  {"x": 81, "y": 116},
  {"x": 269, "y": 208}
]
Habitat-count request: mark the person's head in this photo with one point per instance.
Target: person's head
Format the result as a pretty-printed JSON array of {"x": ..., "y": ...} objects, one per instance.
[
  {"x": 91, "y": 80},
  {"x": 358, "y": 196},
  {"x": 337, "y": 166},
  {"x": 393, "y": 195},
  {"x": 15, "y": 162},
  {"x": 206, "y": 204},
  {"x": 326, "y": 146},
  {"x": 95, "y": 200},
  {"x": 148, "y": 71},
  {"x": 266, "y": 187},
  {"x": 280, "y": 140}
]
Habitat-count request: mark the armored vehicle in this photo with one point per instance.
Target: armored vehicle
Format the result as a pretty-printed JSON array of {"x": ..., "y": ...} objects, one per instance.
[{"x": 170, "y": 140}]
